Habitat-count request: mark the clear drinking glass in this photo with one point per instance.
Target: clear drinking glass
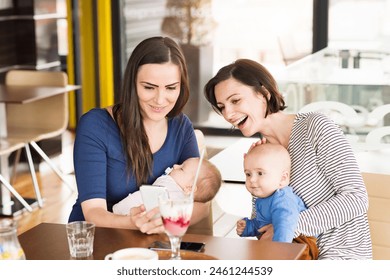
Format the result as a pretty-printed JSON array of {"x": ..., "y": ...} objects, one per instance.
[
  {"x": 80, "y": 238},
  {"x": 176, "y": 214},
  {"x": 10, "y": 248}
]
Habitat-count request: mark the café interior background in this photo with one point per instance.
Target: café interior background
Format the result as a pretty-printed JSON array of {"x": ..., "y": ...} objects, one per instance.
[
  {"x": 316, "y": 49},
  {"x": 92, "y": 40}
]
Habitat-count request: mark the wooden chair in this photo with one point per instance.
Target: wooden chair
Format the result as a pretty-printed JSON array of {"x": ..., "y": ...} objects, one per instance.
[
  {"x": 7, "y": 146},
  {"x": 204, "y": 226},
  {"x": 39, "y": 120},
  {"x": 378, "y": 213}
]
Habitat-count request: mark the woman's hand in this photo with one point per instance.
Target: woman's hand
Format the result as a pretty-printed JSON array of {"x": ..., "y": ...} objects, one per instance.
[
  {"x": 145, "y": 221},
  {"x": 261, "y": 141},
  {"x": 267, "y": 232},
  {"x": 95, "y": 210}
]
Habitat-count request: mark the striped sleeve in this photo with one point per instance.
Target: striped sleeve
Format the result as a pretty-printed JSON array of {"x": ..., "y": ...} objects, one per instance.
[{"x": 326, "y": 176}]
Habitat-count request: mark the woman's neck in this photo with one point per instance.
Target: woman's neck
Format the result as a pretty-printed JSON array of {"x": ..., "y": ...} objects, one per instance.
[
  {"x": 279, "y": 128},
  {"x": 152, "y": 126},
  {"x": 156, "y": 132}
]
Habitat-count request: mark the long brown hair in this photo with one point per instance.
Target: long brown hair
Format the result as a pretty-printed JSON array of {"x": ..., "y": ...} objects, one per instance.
[
  {"x": 127, "y": 113},
  {"x": 250, "y": 73}
]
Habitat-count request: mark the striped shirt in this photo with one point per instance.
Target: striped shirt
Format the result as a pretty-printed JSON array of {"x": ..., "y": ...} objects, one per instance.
[{"x": 326, "y": 176}]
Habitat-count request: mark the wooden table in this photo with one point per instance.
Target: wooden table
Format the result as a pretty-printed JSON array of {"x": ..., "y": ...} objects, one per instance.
[
  {"x": 19, "y": 95},
  {"x": 48, "y": 241}
]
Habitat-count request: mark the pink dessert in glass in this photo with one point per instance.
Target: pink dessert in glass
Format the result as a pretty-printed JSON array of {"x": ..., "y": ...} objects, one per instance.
[{"x": 176, "y": 226}]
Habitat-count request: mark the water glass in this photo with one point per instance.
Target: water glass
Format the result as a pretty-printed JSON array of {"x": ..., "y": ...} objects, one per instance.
[{"x": 80, "y": 238}]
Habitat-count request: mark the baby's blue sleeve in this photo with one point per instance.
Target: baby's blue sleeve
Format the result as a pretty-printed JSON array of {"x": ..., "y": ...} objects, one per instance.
[
  {"x": 285, "y": 215},
  {"x": 251, "y": 227}
]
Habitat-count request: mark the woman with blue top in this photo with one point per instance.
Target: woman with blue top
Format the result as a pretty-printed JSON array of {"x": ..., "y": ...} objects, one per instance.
[{"x": 119, "y": 148}]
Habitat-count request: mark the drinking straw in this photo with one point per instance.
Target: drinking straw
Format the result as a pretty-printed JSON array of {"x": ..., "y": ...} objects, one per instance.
[{"x": 197, "y": 173}]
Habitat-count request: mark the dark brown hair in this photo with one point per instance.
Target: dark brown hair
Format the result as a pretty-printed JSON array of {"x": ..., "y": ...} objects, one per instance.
[
  {"x": 127, "y": 113},
  {"x": 250, "y": 73}
]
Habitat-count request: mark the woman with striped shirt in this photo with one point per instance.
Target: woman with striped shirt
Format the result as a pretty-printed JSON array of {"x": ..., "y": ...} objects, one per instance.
[{"x": 324, "y": 172}]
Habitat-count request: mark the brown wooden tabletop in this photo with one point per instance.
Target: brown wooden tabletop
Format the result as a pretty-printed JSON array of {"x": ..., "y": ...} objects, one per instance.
[
  {"x": 26, "y": 94},
  {"x": 48, "y": 241}
]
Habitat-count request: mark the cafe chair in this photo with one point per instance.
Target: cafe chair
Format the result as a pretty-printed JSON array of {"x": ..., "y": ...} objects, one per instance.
[
  {"x": 204, "y": 226},
  {"x": 39, "y": 120},
  {"x": 201, "y": 142},
  {"x": 377, "y": 115},
  {"x": 362, "y": 112},
  {"x": 379, "y": 135},
  {"x": 376, "y": 140},
  {"x": 7, "y": 146},
  {"x": 342, "y": 114}
]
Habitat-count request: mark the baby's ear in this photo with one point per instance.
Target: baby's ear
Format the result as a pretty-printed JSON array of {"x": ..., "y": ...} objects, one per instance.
[{"x": 285, "y": 180}]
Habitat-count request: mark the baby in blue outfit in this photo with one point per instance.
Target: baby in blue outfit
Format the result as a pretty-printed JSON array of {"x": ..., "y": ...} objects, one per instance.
[{"x": 267, "y": 169}]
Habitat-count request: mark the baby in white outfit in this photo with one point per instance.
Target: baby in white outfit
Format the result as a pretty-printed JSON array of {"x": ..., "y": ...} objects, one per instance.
[{"x": 178, "y": 181}]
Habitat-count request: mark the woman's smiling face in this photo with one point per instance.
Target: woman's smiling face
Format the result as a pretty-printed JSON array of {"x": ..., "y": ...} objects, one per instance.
[
  {"x": 241, "y": 106},
  {"x": 158, "y": 88}
]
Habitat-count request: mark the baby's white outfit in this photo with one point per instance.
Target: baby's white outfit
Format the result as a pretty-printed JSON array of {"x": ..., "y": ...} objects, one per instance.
[{"x": 135, "y": 199}]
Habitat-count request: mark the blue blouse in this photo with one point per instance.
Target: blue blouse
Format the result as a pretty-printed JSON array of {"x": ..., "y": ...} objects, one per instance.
[{"x": 100, "y": 163}]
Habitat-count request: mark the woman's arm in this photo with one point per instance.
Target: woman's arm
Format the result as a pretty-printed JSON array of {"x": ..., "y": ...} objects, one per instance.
[
  {"x": 98, "y": 181},
  {"x": 338, "y": 185},
  {"x": 95, "y": 211}
]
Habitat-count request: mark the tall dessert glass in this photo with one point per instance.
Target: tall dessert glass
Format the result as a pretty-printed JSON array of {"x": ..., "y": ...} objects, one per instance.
[{"x": 176, "y": 214}]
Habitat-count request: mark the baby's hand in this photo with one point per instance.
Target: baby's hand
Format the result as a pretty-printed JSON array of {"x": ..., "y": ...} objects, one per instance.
[{"x": 240, "y": 226}]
